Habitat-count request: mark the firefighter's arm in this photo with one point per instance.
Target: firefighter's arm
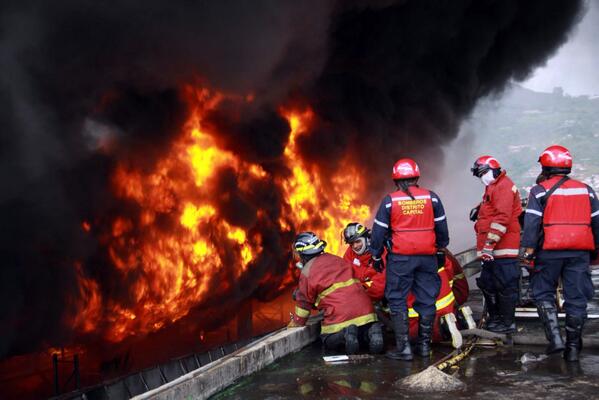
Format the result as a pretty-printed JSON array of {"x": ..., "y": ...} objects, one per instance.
[
  {"x": 441, "y": 230},
  {"x": 380, "y": 228},
  {"x": 503, "y": 203},
  {"x": 533, "y": 218},
  {"x": 376, "y": 286},
  {"x": 303, "y": 305}
]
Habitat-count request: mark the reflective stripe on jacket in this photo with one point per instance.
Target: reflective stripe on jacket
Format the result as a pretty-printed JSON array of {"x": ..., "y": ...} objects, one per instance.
[
  {"x": 327, "y": 283},
  {"x": 445, "y": 300}
]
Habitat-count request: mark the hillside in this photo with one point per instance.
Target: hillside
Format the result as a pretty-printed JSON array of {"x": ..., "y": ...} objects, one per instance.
[{"x": 520, "y": 124}]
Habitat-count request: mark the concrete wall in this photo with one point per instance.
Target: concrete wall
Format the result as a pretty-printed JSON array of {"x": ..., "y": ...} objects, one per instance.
[{"x": 207, "y": 380}]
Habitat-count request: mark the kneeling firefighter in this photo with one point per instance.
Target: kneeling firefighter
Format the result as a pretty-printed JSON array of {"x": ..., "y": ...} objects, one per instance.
[
  {"x": 327, "y": 283},
  {"x": 414, "y": 221},
  {"x": 357, "y": 236},
  {"x": 497, "y": 243}
]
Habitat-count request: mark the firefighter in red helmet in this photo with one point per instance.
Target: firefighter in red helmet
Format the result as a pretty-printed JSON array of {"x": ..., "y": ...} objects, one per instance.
[
  {"x": 561, "y": 230},
  {"x": 413, "y": 220},
  {"x": 497, "y": 241},
  {"x": 327, "y": 283}
]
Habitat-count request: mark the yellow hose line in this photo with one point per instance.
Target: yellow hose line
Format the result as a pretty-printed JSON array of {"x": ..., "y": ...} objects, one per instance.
[{"x": 457, "y": 358}]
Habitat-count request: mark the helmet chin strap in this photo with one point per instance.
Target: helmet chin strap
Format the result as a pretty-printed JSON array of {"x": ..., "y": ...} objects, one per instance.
[{"x": 364, "y": 246}]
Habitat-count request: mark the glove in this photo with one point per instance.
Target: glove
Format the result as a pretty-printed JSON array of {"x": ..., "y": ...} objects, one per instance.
[
  {"x": 377, "y": 264},
  {"x": 293, "y": 324},
  {"x": 526, "y": 257},
  {"x": 487, "y": 252},
  {"x": 474, "y": 213}
]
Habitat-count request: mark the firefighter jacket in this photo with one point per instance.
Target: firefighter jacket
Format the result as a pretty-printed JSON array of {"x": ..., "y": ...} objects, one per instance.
[
  {"x": 498, "y": 218},
  {"x": 372, "y": 281},
  {"x": 567, "y": 220},
  {"x": 415, "y": 226},
  {"x": 327, "y": 283}
]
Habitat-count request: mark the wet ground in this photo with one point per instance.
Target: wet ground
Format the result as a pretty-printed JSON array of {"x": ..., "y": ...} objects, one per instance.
[{"x": 489, "y": 373}]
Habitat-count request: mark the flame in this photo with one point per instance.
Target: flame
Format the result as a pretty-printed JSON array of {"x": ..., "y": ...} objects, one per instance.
[{"x": 172, "y": 250}]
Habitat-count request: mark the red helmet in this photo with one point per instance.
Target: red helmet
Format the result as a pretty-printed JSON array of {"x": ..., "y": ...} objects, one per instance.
[
  {"x": 556, "y": 157},
  {"x": 483, "y": 164},
  {"x": 405, "y": 168}
]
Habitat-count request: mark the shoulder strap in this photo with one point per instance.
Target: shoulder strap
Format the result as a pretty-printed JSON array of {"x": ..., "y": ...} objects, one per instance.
[{"x": 544, "y": 199}]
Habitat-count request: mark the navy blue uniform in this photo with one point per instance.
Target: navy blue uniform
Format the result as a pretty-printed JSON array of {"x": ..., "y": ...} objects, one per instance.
[
  {"x": 405, "y": 272},
  {"x": 571, "y": 265}
]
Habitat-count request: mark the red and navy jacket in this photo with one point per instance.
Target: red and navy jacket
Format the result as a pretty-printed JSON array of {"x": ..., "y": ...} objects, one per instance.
[
  {"x": 498, "y": 218},
  {"x": 372, "y": 281},
  {"x": 327, "y": 283},
  {"x": 565, "y": 223},
  {"x": 414, "y": 226}
]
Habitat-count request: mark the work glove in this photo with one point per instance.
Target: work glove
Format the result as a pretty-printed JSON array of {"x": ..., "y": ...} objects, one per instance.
[
  {"x": 377, "y": 264},
  {"x": 293, "y": 324},
  {"x": 474, "y": 213},
  {"x": 487, "y": 252}
]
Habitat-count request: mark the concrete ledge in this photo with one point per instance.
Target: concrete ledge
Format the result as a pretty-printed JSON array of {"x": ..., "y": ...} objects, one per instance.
[{"x": 209, "y": 379}]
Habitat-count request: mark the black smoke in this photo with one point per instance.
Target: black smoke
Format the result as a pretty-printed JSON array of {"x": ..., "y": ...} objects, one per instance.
[{"x": 85, "y": 83}]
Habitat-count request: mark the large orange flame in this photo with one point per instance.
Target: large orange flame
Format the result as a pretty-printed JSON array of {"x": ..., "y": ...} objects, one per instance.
[{"x": 170, "y": 252}]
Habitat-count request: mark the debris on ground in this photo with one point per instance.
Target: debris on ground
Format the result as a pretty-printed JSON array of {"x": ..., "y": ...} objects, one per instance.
[
  {"x": 530, "y": 358},
  {"x": 431, "y": 380}
]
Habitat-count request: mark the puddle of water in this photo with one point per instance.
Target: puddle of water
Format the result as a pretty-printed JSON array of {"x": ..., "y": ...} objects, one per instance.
[{"x": 487, "y": 372}]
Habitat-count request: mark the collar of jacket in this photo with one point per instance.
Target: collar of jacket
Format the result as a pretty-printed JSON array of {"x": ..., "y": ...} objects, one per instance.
[
  {"x": 308, "y": 265},
  {"x": 501, "y": 175}
]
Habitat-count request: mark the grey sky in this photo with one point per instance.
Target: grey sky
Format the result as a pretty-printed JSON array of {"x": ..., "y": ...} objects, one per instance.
[{"x": 575, "y": 67}]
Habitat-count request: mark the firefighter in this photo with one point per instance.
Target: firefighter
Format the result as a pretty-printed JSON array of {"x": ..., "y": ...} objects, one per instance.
[
  {"x": 561, "y": 229},
  {"x": 327, "y": 283},
  {"x": 357, "y": 236},
  {"x": 497, "y": 243},
  {"x": 413, "y": 220}
]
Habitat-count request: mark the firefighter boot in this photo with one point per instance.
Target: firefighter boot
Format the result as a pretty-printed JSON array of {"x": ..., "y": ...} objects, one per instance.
[
  {"x": 574, "y": 327},
  {"x": 352, "y": 345},
  {"x": 425, "y": 335},
  {"x": 465, "y": 319},
  {"x": 449, "y": 321},
  {"x": 400, "y": 326},
  {"x": 506, "y": 305},
  {"x": 491, "y": 304},
  {"x": 375, "y": 338},
  {"x": 548, "y": 314}
]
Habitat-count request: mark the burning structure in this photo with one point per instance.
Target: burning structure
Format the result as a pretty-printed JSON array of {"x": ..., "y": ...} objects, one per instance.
[{"x": 157, "y": 159}]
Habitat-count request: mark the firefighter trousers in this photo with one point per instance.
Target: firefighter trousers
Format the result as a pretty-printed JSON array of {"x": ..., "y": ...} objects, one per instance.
[
  {"x": 416, "y": 273},
  {"x": 576, "y": 280}
]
